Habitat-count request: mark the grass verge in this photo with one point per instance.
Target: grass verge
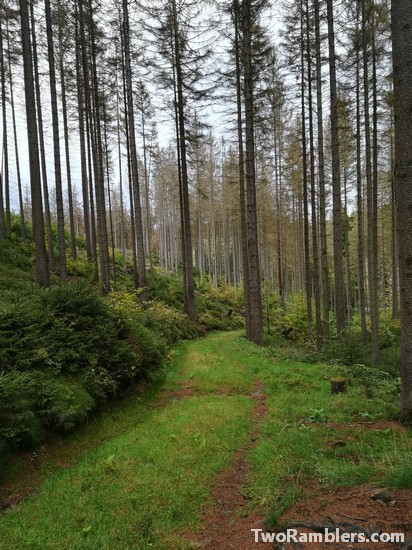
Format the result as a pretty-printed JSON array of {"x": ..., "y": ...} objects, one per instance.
[
  {"x": 147, "y": 471},
  {"x": 312, "y": 437}
]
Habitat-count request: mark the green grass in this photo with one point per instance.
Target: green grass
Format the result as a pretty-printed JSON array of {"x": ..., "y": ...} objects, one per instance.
[
  {"x": 142, "y": 471},
  {"x": 309, "y": 434},
  {"x": 148, "y": 482},
  {"x": 222, "y": 360}
]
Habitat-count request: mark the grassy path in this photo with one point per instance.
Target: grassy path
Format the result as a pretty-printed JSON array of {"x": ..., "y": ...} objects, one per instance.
[
  {"x": 152, "y": 478},
  {"x": 143, "y": 486}
]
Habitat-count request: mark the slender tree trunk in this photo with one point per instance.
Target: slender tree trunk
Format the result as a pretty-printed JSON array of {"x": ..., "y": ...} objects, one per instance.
[
  {"x": 347, "y": 247},
  {"x": 241, "y": 164},
  {"x": 73, "y": 250},
  {"x": 336, "y": 191},
  {"x": 188, "y": 268},
  {"x": 47, "y": 215},
  {"x": 122, "y": 221},
  {"x": 91, "y": 197},
  {"x": 133, "y": 157},
  {"x": 83, "y": 159},
  {"x": 308, "y": 285},
  {"x": 394, "y": 244},
  {"x": 322, "y": 191},
  {"x": 16, "y": 147},
  {"x": 374, "y": 219},
  {"x": 42, "y": 272},
  {"x": 315, "y": 250},
  {"x": 92, "y": 94},
  {"x": 147, "y": 195},
  {"x": 5, "y": 168},
  {"x": 369, "y": 197},
  {"x": 56, "y": 146},
  {"x": 109, "y": 193},
  {"x": 359, "y": 197},
  {"x": 129, "y": 172},
  {"x": 255, "y": 297}
]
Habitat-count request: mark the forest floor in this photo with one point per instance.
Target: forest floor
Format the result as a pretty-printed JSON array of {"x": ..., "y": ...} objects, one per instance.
[{"x": 232, "y": 441}]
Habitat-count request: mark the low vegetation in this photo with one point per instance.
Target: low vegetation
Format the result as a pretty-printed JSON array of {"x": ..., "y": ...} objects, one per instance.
[
  {"x": 66, "y": 350},
  {"x": 146, "y": 473}
]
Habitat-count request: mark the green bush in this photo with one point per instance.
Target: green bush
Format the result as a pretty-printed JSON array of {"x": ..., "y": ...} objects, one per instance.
[
  {"x": 17, "y": 254},
  {"x": 61, "y": 403},
  {"x": 62, "y": 351},
  {"x": 19, "y": 423}
]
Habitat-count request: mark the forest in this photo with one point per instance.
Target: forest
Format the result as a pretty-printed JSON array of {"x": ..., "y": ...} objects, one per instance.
[{"x": 171, "y": 169}]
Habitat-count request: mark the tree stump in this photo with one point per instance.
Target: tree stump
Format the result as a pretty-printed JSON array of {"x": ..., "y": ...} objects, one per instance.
[{"x": 338, "y": 385}]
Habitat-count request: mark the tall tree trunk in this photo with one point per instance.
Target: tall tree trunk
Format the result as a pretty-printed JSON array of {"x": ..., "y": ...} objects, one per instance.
[
  {"x": 66, "y": 143},
  {"x": 336, "y": 191},
  {"x": 322, "y": 192},
  {"x": 147, "y": 195},
  {"x": 359, "y": 198},
  {"x": 5, "y": 167},
  {"x": 402, "y": 63},
  {"x": 129, "y": 172},
  {"x": 92, "y": 95},
  {"x": 394, "y": 239},
  {"x": 133, "y": 157},
  {"x": 16, "y": 147},
  {"x": 83, "y": 159},
  {"x": 56, "y": 146},
  {"x": 47, "y": 215},
  {"x": 241, "y": 165},
  {"x": 109, "y": 193},
  {"x": 369, "y": 196},
  {"x": 308, "y": 285},
  {"x": 374, "y": 300},
  {"x": 42, "y": 272},
  {"x": 122, "y": 220},
  {"x": 255, "y": 297},
  {"x": 188, "y": 268},
  {"x": 315, "y": 251}
]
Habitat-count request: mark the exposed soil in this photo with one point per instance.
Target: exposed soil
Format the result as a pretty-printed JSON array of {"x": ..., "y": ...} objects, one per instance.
[
  {"x": 351, "y": 509},
  {"x": 370, "y": 426},
  {"x": 226, "y": 523}
]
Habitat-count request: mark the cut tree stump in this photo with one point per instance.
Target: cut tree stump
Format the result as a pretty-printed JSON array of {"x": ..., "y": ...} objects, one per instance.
[{"x": 338, "y": 385}]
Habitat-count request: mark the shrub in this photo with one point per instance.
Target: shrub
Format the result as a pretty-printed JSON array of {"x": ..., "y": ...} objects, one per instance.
[
  {"x": 17, "y": 254},
  {"x": 62, "y": 351},
  {"x": 19, "y": 423}
]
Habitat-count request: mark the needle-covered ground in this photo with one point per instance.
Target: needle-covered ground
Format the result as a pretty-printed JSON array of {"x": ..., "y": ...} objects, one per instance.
[{"x": 232, "y": 441}]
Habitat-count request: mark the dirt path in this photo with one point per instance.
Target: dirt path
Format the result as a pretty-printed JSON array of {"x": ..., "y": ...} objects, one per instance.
[
  {"x": 227, "y": 523},
  {"x": 212, "y": 405}
]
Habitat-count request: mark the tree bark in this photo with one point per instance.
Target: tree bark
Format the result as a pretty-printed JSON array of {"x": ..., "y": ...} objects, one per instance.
[
  {"x": 402, "y": 72},
  {"x": 47, "y": 215},
  {"x": 66, "y": 142},
  {"x": 56, "y": 146},
  {"x": 359, "y": 199},
  {"x": 141, "y": 261},
  {"x": 42, "y": 272},
  {"x": 315, "y": 250},
  {"x": 5, "y": 149},
  {"x": 308, "y": 284},
  {"x": 241, "y": 165},
  {"x": 189, "y": 304},
  {"x": 336, "y": 191},
  {"x": 255, "y": 297},
  {"x": 16, "y": 148},
  {"x": 322, "y": 192}
]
